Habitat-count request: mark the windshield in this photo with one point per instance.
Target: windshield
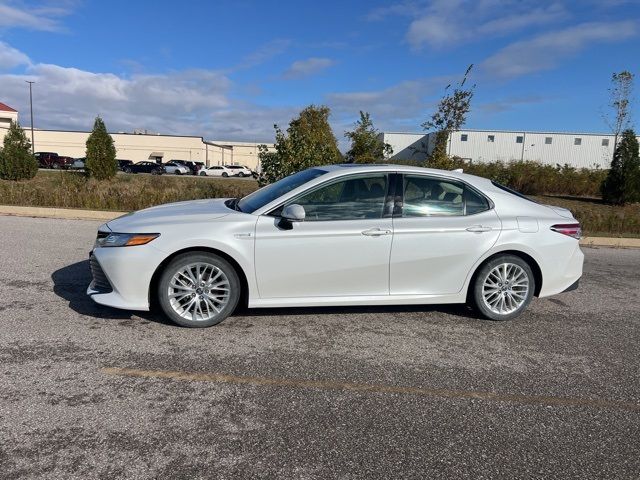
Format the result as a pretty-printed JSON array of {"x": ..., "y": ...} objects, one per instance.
[{"x": 260, "y": 198}]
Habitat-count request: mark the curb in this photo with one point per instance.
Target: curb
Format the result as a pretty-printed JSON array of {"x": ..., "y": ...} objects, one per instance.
[
  {"x": 63, "y": 213},
  {"x": 612, "y": 242},
  {"x": 78, "y": 214}
]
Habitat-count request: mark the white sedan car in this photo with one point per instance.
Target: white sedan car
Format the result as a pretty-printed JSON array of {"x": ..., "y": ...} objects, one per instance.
[
  {"x": 240, "y": 170},
  {"x": 340, "y": 235},
  {"x": 176, "y": 168},
  {"x": 216, "y": 171}
]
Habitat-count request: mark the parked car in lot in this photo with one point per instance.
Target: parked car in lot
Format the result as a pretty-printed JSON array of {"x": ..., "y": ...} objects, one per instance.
[
  {"x": 340, "y": 235},
  {"x": 122, "y": 164},
  {"x": 144, "y": 167},
  {"x": 53, "y": 160},
  {"x": 240, "y": 170},
  {"x": 176, "y": 168},
  {"x": 193, "y": 167},
  {"x": 78, "y": 164},
  {"x": 217, "y": 171}
]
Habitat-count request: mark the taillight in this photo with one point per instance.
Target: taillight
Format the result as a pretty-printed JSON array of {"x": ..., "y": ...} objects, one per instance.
[{"x": 570, "y": 229}]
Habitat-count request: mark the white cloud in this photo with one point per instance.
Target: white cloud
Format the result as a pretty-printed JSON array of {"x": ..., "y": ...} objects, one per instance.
[
  {"x": 305, "y": 68},
  {"x": 447, "y": 23},
  {"x": 11, "y": 58},
  {"x": 399, "y": 107},
  {"x": 39, "y": 17},
  {"x": 265, "y": 53},
  {"x": 545, "y": 51},
  {"x": 191, "y": 102}
]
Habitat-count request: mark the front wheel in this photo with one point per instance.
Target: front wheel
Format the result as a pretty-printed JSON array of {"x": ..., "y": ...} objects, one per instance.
[
  {"x": 198, "y": 289},
  {"x": 202, "y": 174},
  {"x": 503, "y": 287},
  {"x": 56, "y": 166},
  {"x": 241, "y": 174},
  {"x": 225, "y": 174},
  {"x": 127, "y": 170}
]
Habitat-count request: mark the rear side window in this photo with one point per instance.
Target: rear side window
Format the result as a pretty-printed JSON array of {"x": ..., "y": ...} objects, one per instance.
[{"x": 433, "y": 197}]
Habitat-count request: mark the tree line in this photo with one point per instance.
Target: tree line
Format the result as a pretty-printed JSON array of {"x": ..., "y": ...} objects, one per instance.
[{"x": 309, "y": 141}]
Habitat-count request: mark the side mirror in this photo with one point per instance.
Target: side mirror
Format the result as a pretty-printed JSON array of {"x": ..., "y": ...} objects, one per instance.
[{"x": 293, "y": 213}]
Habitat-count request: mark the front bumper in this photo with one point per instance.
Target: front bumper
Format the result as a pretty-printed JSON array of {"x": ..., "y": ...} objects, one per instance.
[{"x": 127, "y": 271}]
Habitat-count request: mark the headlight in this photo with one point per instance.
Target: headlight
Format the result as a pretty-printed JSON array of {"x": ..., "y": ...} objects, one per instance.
[{"x": 126, "y": 239}]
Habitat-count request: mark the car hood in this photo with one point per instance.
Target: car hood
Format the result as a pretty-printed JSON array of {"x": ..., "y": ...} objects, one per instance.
[{"x": 154, "y": 218}]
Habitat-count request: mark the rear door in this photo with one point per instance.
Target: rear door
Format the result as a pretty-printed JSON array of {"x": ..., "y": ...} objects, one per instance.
[{"x": 441, "y": 228}]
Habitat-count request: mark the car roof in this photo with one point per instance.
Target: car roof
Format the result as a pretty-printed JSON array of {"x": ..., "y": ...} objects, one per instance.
[{"x": 343, "y": 168}]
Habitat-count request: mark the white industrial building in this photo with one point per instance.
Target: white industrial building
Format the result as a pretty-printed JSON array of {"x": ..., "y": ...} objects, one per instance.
[
  {"x": 141, "y": 146},
  {"x": 588, "y": 150}
]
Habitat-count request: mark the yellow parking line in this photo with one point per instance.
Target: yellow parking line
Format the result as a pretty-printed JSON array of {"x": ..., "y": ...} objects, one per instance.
[{"x": 374, "y": 388}]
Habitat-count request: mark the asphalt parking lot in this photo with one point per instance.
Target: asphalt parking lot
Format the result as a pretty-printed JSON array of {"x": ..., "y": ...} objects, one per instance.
[{"x": 394, "y": 392}]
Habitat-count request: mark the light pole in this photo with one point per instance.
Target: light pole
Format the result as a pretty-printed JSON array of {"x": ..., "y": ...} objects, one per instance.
[{"x": 33, "y": 145}]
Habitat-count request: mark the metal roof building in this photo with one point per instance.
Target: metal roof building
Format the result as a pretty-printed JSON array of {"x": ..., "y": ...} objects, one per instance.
[{"x": 588, "y": 150}]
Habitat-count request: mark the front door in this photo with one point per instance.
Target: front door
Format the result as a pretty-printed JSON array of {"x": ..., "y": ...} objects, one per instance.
[
  {"x": 441, "y": 229},
  {"x": 341, "y": 248}
]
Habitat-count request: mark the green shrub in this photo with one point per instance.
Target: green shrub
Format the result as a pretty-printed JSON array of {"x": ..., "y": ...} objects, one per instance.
[
  {"x": 534, "y": 178},
  {"x": 101, "y": 153},
  {"x": 16, "y": 160},
  {"x": 622, "y": 184}
]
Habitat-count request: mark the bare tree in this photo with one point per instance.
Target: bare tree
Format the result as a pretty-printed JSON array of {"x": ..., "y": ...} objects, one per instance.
[
  {"x": 620, "y": 103},
  {"x": 450, "y": 116}
]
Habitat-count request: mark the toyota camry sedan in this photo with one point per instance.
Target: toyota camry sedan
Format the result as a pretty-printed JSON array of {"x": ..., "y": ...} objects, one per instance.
[{"x": 340, "y": 235}]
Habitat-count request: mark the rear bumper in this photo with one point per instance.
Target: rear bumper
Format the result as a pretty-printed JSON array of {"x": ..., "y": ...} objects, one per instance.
[
  {"x": 563, "y": 271},
  {"x": 573, "y": 286}
]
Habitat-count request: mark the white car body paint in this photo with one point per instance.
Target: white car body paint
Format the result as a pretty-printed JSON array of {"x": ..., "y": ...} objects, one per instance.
[{"x": 417, "y": 260}]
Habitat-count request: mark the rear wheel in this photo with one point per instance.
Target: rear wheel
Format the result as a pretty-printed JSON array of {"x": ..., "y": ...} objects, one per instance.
[
  {"x": 503, "y": 287},
  {"x": 202, "y": 174},
  {"x": 198, "y": 289}
]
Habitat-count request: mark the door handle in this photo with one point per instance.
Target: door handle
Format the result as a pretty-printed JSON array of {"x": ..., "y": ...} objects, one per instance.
[
  {"x": 478, "y": 229},
  {"x": 376, "y": 232}
]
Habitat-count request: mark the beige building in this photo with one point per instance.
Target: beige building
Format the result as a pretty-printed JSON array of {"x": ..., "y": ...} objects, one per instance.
[
  {"x": 141, "y": 146},
  {"x": 7, "y": 115}
]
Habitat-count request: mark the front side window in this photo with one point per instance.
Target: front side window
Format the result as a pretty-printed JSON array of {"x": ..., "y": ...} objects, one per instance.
[
  {"x": 353, "y": 198},
  {"x": 268, "y": 194},
  {"x": 434, "y": 197}
]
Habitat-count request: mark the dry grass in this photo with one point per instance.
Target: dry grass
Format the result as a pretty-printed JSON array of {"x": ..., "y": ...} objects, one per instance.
[
  {"x": 133, "y": 192},
  {"x": 124, "y": 192}
]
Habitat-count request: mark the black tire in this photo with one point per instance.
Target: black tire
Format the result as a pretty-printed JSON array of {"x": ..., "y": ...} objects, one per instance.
[
  {"x": 202, "y": 174},
  {"x": 178, "y": 172},
  {"x": 235, "y": 288},
  {"x": 476, "y": 294},
  {"x": 56, "y": 166},
  {"x": 225, "y": 174},
  {"x": 126, "y": 170},
  {"x": 241, "y": 174},
  {"x": 155, "y": 172}
]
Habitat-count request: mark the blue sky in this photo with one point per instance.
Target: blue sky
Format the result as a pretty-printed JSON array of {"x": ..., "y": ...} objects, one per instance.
[{"x": 229, "y": 70}]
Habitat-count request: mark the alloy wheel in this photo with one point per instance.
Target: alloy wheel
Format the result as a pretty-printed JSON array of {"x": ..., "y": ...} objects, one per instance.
[
  {"x": 199, "y": 291},
  {"x": 505, "y": 288}
]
